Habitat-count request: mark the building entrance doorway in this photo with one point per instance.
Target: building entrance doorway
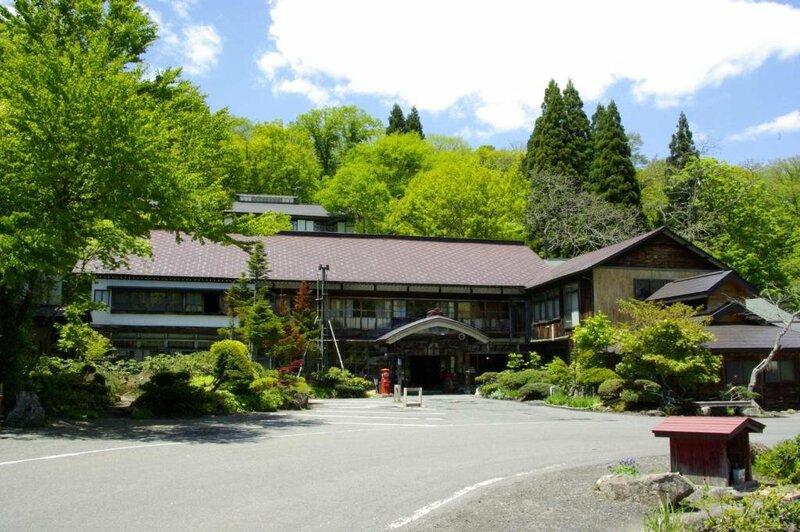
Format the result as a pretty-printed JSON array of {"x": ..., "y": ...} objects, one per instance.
[{"x": 425, "y": 371}]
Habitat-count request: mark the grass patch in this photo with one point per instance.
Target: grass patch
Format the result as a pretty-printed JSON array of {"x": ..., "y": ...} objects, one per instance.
[{"x": 562, "y": 399}]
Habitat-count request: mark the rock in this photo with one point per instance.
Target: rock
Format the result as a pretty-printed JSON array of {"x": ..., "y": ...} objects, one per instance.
[
  {"x": 28, "y": 411},
  {"x": 300, "y": 401},
  {"x": 645, "y": 489}
]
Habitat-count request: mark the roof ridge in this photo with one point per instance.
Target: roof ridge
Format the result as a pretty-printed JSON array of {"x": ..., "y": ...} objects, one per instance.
[
  {"x": 377, "y": 236},
  {"x": 699, "y": 275}
]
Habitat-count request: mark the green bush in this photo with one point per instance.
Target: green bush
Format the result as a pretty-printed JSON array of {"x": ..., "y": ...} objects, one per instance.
[
  {"x": 560, "y": 374},
  {"x": 170, "y": 394},
  {"x": 649, "y": 392},
  {"x": 514, "y": 380},
  {"x": 595, "y": 376},
  {"x": 337, "y": 382},
  {"x": 70, "y": 388},
  {"x": 782, "y": 462},
  {"x": 534, "y": 390},
  {"x": 630, "y": 397},
  {"x": 232, "y": 366},
  {"x": 488, "y": 389},
  {"x": 200, "y": 363},
  {"x": 611, "y": 389},
  {"x": 486, "y": 378},
  {"x": 760, "y": 512}
]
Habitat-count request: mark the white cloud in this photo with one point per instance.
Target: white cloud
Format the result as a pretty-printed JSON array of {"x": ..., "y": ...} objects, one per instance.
[
  {"x": 202, "y": 45},
  {"x": 787, "y": 123},
  {"x": 498, "y": 59},
  {"x": 182, "y": 7},
  {"x": 318, "y": 95}
]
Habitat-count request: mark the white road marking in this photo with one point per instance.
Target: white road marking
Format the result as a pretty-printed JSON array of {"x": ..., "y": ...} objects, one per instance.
[
  {"x": 354, "y": 416},
  {"x": 422, "y": 512},
  {"x": 384, "y": 424},
  {"x": 68, "y": 455}
]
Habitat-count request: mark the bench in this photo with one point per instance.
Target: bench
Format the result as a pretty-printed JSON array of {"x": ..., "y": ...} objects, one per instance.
[{"x": 708, "y": 407}]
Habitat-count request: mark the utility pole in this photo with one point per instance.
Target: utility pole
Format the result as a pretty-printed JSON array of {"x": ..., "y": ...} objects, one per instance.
[{"x": 321, "y": 293}]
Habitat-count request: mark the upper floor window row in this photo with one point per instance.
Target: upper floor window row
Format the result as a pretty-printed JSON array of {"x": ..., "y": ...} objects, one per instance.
[{"x": 146, "y": 301}]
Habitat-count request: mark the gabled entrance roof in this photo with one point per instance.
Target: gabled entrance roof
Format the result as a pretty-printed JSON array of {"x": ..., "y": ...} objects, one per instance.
[{"x": 424, "y": 325}]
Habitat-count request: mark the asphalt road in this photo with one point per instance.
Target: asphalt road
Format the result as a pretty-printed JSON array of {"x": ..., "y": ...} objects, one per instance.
[{"x": 344, "y": 465}]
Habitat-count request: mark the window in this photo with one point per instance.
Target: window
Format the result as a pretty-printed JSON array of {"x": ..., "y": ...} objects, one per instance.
[
  {"x": 164, "y": 301},
  {"x": 738, "y": 371},
  {"x": 361, "y": 313},
  {"x": 644, "y": 288},
  {"x": 572, "y": 312},
  {"x": 102, "y": 296},
  {"x": 780, "y": 371},
  {"x": 546, "y": 306}
]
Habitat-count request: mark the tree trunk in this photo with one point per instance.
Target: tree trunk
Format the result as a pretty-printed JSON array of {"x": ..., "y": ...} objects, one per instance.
[{"x": 776, "y": 347}]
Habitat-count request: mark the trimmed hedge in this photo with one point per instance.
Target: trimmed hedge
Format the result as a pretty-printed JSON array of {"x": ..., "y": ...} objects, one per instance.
[{"x": 534, "y": 390}]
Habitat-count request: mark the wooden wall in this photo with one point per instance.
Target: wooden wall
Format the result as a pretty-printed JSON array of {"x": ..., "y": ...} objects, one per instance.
[
  {"x": 613, "y": 284},
  {"x": 662, "y": 252}
]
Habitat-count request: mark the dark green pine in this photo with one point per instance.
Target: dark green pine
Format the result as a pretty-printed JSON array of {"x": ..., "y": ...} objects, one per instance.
[
  {"x": 413, "y": 123},
  {"x": 612, "y": 175},
  {"x": 547, "y": 146},
  {"x": 397, "y": 122},
  {"x": 577, "y": 127},
  {"x": 681, "y": 147}
]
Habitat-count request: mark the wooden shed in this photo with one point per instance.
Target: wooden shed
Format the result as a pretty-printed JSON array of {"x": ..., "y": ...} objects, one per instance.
[{"x": 709, "y": 449}]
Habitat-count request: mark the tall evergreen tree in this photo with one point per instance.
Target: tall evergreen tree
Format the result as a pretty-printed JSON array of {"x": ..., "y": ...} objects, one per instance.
[
  {"x": 576, "y": 125},
  {"x": 413, "y": 123},
  {"x": 547, "y": 146},
  {"x": 397, "y": 122},
  {"x": 612, "y": 174},
  {"x": 681, "y": 147}
]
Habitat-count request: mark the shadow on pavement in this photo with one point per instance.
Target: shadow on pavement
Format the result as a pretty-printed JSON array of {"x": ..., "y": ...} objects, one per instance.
[{"x": 215, "y": 429}]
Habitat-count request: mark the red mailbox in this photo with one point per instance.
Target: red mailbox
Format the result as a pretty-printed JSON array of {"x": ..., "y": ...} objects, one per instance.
[{"x": 386, "y": 381}]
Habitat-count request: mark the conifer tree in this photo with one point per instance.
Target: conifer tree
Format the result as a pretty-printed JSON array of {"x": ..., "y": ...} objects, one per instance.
[
  {"x": 397, "y": 122},
  {"x": 547, "y": 146},
  {"x": 612, "y": 174},
  {"x": 413, "y": 123},
  {"x": 576, "y": 125},
  {"x": 681, "y": 147}
]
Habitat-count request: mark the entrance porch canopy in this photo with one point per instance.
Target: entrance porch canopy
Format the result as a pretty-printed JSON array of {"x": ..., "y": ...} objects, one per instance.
[{"x": 433, "y": 325}]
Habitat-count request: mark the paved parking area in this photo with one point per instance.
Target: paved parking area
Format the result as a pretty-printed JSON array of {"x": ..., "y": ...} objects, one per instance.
[{"x": 343, "y": 465}]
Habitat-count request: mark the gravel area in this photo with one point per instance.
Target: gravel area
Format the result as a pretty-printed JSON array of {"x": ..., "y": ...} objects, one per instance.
[{"x": 553, "y": 501}]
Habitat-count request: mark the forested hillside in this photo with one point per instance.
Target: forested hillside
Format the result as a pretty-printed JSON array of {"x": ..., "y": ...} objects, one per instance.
[{"x": 581, "y": 183}]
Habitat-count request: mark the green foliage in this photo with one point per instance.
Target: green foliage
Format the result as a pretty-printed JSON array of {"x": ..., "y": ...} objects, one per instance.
[
  {"x": 232, "y": 366},
  {"x": 79, "y": 118},
  {"x": 335, "y": 130},
  {"x": 576, "y": 124},
  {"x": 460, "y": 198},
  {"x": 595, "y": 376},
  {"x": 336, "y": 382},
  {"x": 561, "y": 374},
  {"x": 413, "y": 123},
  {"x": 782, "y": 462},
  {"x": 266, "y": 224},
  {"x": 68, "y": 388},
  {"x": 170, "y": 394},
  {"x": 681, "y": 147},
  {"x": 516, "y": 361},
  {"x": 612, "y": 174},
  {"x": 626, "y": 466},
  {"x": 196, "y": 364},
  {"x": 487, "y": 378},
  {"x": 534, "y": 390},
  {"x": 665, "y": 342},
  {"x": 268, "y": 158},
  {"x": 397, "y": 121},
  {"x": 548, "y": 144},
  {"x": 757, "y": 513},
  {"x": 573, "y": 401},
  {"x": 514, "y": 380},
  {"x": 663, "y": 519},
  {"x": 592, "y": 338},
  {"x": 611, "y": 389},
  {"x": 739, "y": 393}
]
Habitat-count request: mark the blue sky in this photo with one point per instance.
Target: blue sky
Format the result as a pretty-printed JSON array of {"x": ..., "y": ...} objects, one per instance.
[{"x": 478, "y": 70}]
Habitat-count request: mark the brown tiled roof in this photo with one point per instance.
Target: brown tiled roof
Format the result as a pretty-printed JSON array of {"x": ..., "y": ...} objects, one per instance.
[
  {"x": 595, "y": 258},
  {"x": 352, "y": 258},
  {"x": 737, "y": 337},
  {"x": 698, "y": 285},
  {"x": 710, "y": 427}
]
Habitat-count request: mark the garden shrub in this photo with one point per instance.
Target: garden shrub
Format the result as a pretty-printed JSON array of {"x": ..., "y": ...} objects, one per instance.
[
  {"x": 232, "y": 366},
  {"x": 534, "y": 390},
  {"x": 629, "y": 397},
  {"x": 170, "y": 394},
  {"x": 560, "y": 374},
  {"x": 595, "y": 376},
  {"x": 70, "y": 388},
  {"x": 649, "y": 392},
  {"x": 764, "y": 511},
  {"x": 782, "y": 462},
  {"x": 514, "y": 380},
  {"x": 573, "y": 401},
  {"x": 200, "y": 363},
  {"x": 486, "y": 378},
  {"x": 337, "y": 382},
  {"x": 488, "y": 389},
  {"x": 611, "y": 389}
]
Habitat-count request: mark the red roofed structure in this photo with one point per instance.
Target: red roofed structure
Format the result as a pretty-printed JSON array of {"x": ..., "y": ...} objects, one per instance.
[{"x": 709, "y": 449}]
